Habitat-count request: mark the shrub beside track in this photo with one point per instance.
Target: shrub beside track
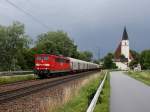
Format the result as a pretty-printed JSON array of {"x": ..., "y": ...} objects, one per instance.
[{"x": 16, "y": 78}]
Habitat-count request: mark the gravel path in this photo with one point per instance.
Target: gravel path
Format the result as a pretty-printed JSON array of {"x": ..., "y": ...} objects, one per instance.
[{"x": 128, "y": 94}]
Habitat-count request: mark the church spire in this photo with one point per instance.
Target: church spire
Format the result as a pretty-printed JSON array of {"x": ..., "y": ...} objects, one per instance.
[{"x": 125, "y": 34}]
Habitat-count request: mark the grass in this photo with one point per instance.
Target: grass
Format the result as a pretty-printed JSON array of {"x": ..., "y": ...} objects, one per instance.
[
  {"x": 143, "y": 76},
  {"x": 103, "y": 101},
  {"x": 81, "y": 101},
  {"x": 16, "y": 78}
]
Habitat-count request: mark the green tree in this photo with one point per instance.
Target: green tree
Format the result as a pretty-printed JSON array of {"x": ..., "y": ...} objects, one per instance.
[
  {"x": 108, "y": 61},
  {"x": 96, "y": 61},
  {"x": 86, "y": 56},
  {"x": 135, "y": 55},
  {"x": 122, "y": 56},
  {"x": 133, "y": 63},
  {"x": 57, "y": 43},
  {"x": 26, "y": 60},
  {"x": 145, "y": 59},
  {"x": 12, "y": 41},
  {"x": 136, "y": 59}
]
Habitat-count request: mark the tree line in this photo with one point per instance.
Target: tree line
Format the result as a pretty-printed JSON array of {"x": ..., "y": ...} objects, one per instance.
[
  {"x": 16, "y": 52},
  {"x": 142, "y": 58}
]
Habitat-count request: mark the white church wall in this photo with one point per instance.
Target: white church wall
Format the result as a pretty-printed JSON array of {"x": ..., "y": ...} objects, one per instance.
[{"x": 121, "y": 66}]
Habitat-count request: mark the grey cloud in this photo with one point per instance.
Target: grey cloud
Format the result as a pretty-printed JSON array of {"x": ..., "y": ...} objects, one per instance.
[{"x": 93, "y": 24}]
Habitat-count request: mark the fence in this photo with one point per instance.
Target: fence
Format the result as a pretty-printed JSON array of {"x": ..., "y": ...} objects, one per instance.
[{"x": 94, "y": 100}]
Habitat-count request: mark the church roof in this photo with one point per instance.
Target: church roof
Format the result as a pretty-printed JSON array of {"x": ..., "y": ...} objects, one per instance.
[
  {"x": 118, "y": 51},
  {"x": 125, "y": 34}
]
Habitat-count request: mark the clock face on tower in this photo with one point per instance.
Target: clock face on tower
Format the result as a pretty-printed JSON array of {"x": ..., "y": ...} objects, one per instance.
[{"x": 124, "y": 43}]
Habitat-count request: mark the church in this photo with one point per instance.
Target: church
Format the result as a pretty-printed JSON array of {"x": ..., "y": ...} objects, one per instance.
[{"x": 123, "y": 56}]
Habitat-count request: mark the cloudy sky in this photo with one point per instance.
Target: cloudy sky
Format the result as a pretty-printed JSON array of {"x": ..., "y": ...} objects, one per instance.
[{"x": 93, "y": 24}]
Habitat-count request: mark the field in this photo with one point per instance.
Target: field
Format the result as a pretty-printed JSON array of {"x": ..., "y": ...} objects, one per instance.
[
  {"x": 143, "y": 76},
  {"x": 16, "y": 78}
]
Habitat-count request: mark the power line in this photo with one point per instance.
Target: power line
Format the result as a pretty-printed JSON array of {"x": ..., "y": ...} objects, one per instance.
[{"x": 27, "y": 13}]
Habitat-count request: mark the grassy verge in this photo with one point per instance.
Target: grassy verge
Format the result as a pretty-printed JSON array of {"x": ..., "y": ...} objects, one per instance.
[
  {"x": 80, "y": 102},
  {"x": 143, "y": 76},
  {"x": 16, "y": 78},
  {"x": 103, "y": 101}
]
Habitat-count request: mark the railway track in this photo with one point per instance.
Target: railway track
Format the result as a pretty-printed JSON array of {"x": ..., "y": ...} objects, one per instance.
[{"x": 17, "y": 93}]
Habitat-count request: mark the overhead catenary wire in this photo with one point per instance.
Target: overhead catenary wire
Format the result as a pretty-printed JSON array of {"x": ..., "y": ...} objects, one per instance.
[{"x": 28, "y": 14}]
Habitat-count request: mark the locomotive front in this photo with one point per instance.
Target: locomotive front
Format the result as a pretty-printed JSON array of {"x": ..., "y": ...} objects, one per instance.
[
  {"x": 42, "y": 65},
  {"x": 46, "y": 65}
]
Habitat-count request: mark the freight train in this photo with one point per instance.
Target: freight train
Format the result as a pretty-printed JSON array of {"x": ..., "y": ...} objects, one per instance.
[{"x": 47, "y": 65}]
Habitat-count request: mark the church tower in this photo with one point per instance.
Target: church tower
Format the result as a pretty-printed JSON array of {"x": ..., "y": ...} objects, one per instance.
[
  {"x": 125, "y": 50},
  {"x": 122, "y": 54}
]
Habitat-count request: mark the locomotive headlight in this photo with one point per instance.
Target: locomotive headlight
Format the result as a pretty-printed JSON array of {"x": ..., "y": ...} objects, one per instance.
[
  {"x": 46, "y": 64},
  {"x": 42, "y": 64},
  {"x": 37, "y": 64}
]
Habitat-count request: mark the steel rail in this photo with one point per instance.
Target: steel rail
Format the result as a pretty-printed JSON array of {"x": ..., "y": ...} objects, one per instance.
[{"x": 14, "y": 94}]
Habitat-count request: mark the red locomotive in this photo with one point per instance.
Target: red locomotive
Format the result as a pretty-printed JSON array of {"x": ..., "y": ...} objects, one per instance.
[{"x": 46, "y": 65}]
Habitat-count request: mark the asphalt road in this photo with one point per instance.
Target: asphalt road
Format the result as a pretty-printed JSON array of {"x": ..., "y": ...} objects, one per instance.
[{"x": 128, "y": 94}]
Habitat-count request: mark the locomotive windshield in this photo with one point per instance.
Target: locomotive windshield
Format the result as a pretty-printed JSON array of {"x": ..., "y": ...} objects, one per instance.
[{"x": 42, "y": 58}]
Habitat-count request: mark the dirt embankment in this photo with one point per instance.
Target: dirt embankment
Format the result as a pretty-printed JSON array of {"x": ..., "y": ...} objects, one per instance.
[{"x": 47, "y": 100}]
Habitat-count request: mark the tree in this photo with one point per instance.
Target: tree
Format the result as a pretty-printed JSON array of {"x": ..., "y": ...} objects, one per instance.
[
  {"x": 133, "y": 63},
  {"x": 136, "y": 59},
  {"x": 97, "y": 61},
  {"x": 135, "y": 55},
  {"x": 57, "y": 43},
  {"x": 86, "y": 56},
  {"x": 108, "y": 61},
  {"x": 145, "y": 59},
  {"x": 123, "y": 58},
  {"x": 12, "y": 41}
]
